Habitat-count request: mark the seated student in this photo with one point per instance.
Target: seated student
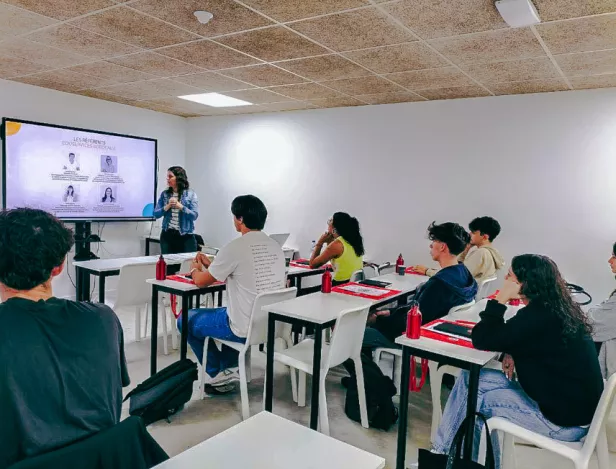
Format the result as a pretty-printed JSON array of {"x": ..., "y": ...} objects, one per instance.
[
  {"x": 480, "y": 257},
  {"x": 548, "y": 343},
  {"x": 63, "y": 364},
  {"x": 603, "y": 318},
  {"x": 451, "y": 286},
  {"x": 249, "y": 265},
  {"x": 345, "y": 247}
]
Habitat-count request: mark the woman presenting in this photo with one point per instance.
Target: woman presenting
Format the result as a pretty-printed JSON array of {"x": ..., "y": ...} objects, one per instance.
[{"x": 179, "y": 207}]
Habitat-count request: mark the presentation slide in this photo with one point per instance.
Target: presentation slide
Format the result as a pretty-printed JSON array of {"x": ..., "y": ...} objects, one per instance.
[{"x": 78, "y": 174}]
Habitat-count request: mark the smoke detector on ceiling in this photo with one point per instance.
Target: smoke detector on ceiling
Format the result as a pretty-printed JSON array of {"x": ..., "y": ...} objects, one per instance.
[
  {"x": 203, "y": 17},
  {"x": 518, "y": 13}
]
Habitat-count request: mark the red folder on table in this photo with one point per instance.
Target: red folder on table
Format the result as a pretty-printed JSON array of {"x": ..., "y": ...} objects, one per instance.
[
  {"x": 185, "y": 279},
  {"x": 412, "y": 271},
  {"x": 305, "y": 264},
  {"x": 365, "y": 291},
  {"x": 428, "y": 331}
]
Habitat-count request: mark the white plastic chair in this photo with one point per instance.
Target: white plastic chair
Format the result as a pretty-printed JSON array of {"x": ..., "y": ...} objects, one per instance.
[
  {"x": 578, "y": 452},
  {"x": 257, "y": 334},
  {"x": 484, "y": 287},
  {"x": 133, "y": 291},
  {"x": 387, "y": 268},
  {"x": 357, "y": 276},
  {"x": 346, "y": 343},
  {"x": 370, "y": 271}
]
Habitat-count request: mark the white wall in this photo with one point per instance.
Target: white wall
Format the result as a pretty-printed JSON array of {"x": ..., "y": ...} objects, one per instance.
[
  {"x": 543, "y": 165},
  {"x": 39, "y": 104}
]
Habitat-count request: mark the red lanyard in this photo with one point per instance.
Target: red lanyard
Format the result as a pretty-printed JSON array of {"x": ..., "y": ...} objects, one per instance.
[{"x": 413, "y": 385}]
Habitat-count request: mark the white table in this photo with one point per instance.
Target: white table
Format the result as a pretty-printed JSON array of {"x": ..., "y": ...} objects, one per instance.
[
  {"x": 443, "y": 353},
  {"x": 104, "y": 268},
  {"x": 266, "y": 441},
  {"x": 321, "y": 310}
]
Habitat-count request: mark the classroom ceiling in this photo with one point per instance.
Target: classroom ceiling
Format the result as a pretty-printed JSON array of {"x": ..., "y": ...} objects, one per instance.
[{"x": 301, "y": 54}]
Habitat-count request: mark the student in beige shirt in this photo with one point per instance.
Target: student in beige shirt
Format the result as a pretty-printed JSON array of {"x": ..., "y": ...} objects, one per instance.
[{"x": 481, "y": 258}]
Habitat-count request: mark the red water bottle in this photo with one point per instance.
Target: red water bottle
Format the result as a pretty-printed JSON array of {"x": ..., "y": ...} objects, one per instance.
[
  {"x": 413, "y": 322},
  {"x": 161, "y": 268},
  {"x": 326, "y": 282},
  {"x": 399, "y": 262}
]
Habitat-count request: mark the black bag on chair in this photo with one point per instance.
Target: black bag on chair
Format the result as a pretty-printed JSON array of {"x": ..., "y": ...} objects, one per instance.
[
  {"x": 453, "y": 460},
  {"x": 164, "y": 393}
]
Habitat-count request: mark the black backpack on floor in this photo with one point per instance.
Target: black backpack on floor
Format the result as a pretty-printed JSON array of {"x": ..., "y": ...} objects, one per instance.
[
  {"x": 380, "y": 389},
  {"x": 164, "y": 393}
]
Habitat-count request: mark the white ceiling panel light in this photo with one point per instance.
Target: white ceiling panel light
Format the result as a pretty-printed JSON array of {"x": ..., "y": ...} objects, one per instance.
[
  {"x": 215, "y": 100},
  {"x": 518, "y": 13}
]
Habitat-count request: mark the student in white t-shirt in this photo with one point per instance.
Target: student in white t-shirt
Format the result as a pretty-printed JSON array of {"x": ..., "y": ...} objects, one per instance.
[{"x": 249, "y": 265}]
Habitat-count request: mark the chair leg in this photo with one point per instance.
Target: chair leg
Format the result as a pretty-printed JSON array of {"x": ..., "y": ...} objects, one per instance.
[
  {"x": 137, "y": 323},
  {"x": 203, "y": 366},
  {"x": 323, "y": 418},
  {"x": 244, "y": 366},
  {"x": 163, "y": 319},
  {"x": 248, "y": 359},
  {"x": 435, "y": 389},
  {"x": 301, "y": 389},
  {"x": 361, "y": 393},
  {"x": 603, "y": 455},
  {"x": 508, "y": 452},
  {"x": 175, "y": 337}
]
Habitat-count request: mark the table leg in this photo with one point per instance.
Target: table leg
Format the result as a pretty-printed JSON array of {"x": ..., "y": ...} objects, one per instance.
[
  {"x": 404, "y": 408},
  {"x": 298, "y": 284},
  {"x": 220, "y": 298},
  {"x": 101, "y": 289},
  {"x": 78, "y": 284},
  {"x": 154, "y": 330},
  {"x": 316, "y": 376},
  {"x": 269, "y": 366},
  {"x": 85, "y": 286},
  {"x": 147, "y": 246},
  {"x": 471, "y": 408},
  {"x": 184, "y": 343}
]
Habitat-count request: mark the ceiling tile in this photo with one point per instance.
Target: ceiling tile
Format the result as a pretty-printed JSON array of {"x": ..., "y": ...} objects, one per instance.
[
  {"x": 154, "y": 106},
  {"x": 208, "y": 54},
  {"x": 156, "y": 64},
  {"x": 306, "y": 91},
  {"x": 134, "y": 28},
  {"x": 288, "y": 10},
  {"x": 390, "y": 98},
  {"x": 63, "y": 80},
  {"x": 183, "y": 105},
  {"x": 580, "y": 35},
  {"x": 446, "y": 77},
  {"x": 254, "y": 109},
  {"x": 171, "y": 87},
  {"x": 139, "y": 91},
  {"x": 441, "y": 18},
  {"x": 41, "y": 54},
  {"x": 289, "y": 106},
  {"x": 263, "y": 75},
  {"x": 336, "y": 102},
  {"x": 229, "y": 16},
  {"x": 357, "y": 29},
  {"x": 271, "y": 44},
  {"x": 15, "y": 21},
  {"x": 112, "y": 72},
  {"x": 399, "y": 58},
  {"x": 212, "y": 81},
  {"x": 454, "y": 93},
  {"x": 16, "y": 66},
  {"x": 363, "y": 85},
  {"x": 327, "y": 67},
  {"x": 514, "y": 70},
  {"x": 503, "y": 44},
  {"x": 107, "y": 97},
  {"x": 82, "y": 42},
  {"x": 533, "y": 86},
  {"x": 550, "y": 10},
  {"x": 61, "y": 9},
  {"x": 257, "y": 96},
  {"x": 596, "y": 81},
  {"x": 587, "y": 63}
]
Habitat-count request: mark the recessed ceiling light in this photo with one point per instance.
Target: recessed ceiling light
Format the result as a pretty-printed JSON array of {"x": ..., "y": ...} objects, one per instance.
[
  {"x": 203, "y": 17},
  {"x": 215, "y": 100}
]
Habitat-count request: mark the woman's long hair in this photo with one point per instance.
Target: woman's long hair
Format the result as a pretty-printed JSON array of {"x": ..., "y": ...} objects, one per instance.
[
  {"x": 70, "y": 191},
  {"x": 348, "y": 227},
  {"x": 110, "y": 195},
  {"x": 181, "y": 180},
  {"x": 541, "y": 283}
]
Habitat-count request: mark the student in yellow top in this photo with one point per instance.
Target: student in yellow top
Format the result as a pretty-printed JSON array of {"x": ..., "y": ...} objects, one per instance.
[{"x": 345, "y": 247}]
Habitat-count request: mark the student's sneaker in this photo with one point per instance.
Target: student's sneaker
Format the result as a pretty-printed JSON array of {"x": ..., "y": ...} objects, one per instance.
[
  {"x": 222, "y": 389},
  {"x": 227, "y": 376}
]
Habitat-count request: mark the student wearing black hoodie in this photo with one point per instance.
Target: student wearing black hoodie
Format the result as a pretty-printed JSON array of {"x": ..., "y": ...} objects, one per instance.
[
  {"x": 548, "y": 343},
  {"x": 453, "y": 285}
]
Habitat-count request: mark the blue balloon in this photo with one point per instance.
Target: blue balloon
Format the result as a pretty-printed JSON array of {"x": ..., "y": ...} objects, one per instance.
[{"x": 148, "y": 210}]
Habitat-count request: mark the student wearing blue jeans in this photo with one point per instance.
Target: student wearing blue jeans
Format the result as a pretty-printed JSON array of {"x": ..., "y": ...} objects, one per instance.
[
  {"x": 212, "y": 322},
  {"x": 549, "y": 346}
]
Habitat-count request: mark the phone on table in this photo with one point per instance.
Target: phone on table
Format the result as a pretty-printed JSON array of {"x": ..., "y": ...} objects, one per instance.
[{"x": 454, "y": 329}]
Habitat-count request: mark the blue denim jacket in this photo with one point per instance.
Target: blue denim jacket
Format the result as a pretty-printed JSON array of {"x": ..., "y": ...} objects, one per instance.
[{"x": 187, "y": 216}]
